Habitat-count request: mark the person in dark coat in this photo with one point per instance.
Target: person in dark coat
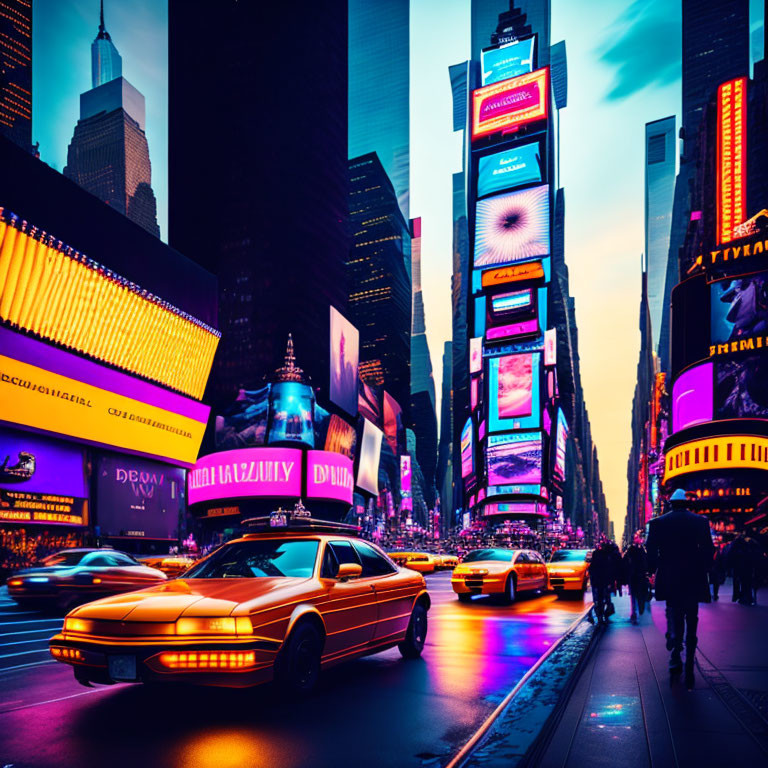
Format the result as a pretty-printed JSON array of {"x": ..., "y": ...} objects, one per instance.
[
  {"x": 602, "y": 576},
  {"x": 635, "y": 567},
  {"x": 717, "y": 574},
  {"x": 680, "y": 553}
]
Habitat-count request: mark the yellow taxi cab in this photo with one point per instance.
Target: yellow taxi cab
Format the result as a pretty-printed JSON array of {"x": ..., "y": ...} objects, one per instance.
[
  {"x": 171, "y": 565},
  {"x": 292, "y": 598},
  {"x": 448, "y": 562},
  {"x": 567, "y": 571},
  {"x": 423, "y": 562},
  {"x": 500, "y": 572}
]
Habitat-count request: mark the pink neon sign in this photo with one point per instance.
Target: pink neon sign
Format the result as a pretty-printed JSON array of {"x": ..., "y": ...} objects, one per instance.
[
  {"x": 246, "y": 472},
  {"x": 329, "y": 476}
]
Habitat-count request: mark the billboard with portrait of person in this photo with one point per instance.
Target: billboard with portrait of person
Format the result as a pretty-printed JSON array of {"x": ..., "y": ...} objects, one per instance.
[
  {"x": 512, "y": 227},
  {"x": 345, "y": 358},
  {"x": 514, "y": 459},
  {"x": 739, "y": 314}
]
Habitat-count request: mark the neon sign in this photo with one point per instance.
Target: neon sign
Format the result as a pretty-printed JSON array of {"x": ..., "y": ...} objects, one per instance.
[
  {"x": 731, "y": 157},
  {"x": 729, "y": 452}
]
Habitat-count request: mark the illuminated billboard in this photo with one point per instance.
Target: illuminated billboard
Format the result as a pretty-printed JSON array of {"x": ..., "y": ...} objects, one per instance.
[
  {"x": 393, "y": 422},
  {"x": 369, "y": 402},
  {"x": 291, "y": 414},
  {"x": 739, "y": 314},
  {"x": 507, "y": 61},
  {"x": 508, "y": 169},
  {"x": 41, "y": 481},
  {"x": 515, "y": 508},
  {"x": 741, "y": 388},
  {"x": 550, "y": 346},
  {"x": 510, "y": 104},
  {"x": 370, "y": 452},
  {"x": 467, "y": 450},
  {"x": 512, "y": 227},
  {"x": 406, "y": 496},
  {"x": 514, "y": 459},
  {"x": 513, "y": 301},
  {"x": 531, "y": 270},
  {"x": 727, "y": 452},
  {"x": 51, "y": 390},
  {"x": 692, "y": 397},
  {"x": 246, "y": 473},
  {"x": 244, "y": 422},
  {"x": 476, "y": 354},
  {"x": 62, "y": 295},
  {"x": 345, "y": 357},
  {"x": 561, "y": 442},
  {"x": 341, "y": 437},
  {"x": 474, "y": 392},
  {"x": 513, "y": 391},
  {"x": 731, "y": 170},
  {"x": 329, "y": 476}
]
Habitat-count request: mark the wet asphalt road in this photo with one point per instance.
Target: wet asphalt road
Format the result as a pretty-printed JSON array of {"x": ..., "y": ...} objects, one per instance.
[{"x": 376, "y": 711}]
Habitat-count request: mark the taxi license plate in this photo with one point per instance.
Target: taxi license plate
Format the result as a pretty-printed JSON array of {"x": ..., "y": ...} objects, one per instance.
[{"x": 122, "y": 667}]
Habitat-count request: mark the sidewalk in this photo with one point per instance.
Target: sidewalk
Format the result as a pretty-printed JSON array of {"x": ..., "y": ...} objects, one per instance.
[{"x": 625, "y": 711}]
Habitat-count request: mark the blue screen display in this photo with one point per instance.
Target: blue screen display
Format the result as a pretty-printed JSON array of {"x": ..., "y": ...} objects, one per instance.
[
  {"x": 508, "y": 169},
  {"x": 508, "y": 61},
  {"x": 510, "y": 302},
  {"x": 291, "y": 417}
]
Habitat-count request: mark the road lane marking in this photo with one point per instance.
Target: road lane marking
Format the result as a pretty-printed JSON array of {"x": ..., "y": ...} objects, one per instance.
[
  {"x": 62, "y": 698},
  {"x": 30, "y": 621},
  {"x": 25, "y": 632},
  {"x": 22, "y": 653},
  {"x": 22, "y": 642},
  {"x": 24, "y": 666}
]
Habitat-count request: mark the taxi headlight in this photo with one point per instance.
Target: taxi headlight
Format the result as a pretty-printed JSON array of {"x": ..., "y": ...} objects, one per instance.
[
  {"x": 215, "y": 625},
  {"x": 77, "y": 625}
]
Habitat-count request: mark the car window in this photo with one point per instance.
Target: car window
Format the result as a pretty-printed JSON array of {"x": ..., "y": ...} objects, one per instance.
[
  {"x": 64, "y": 558},
  {"x": 505, "y": 555},
  {"x": 99, "y": 560},
  {"x": 569, "y": 556},
  {"x": 259, "y": 558},
  {"x": 123, "y": 559},
  {"x": 523, "y": 558},
  {"x": 373, "y": 563},
  {"x": 537, "y": 558}
]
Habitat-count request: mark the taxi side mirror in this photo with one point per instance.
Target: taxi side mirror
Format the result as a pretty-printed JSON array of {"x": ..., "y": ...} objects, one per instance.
[{"x": 349, "y": 571}]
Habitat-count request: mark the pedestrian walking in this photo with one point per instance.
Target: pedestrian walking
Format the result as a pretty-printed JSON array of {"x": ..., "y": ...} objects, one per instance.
[
  {"x": 740, "y": 558},
  {"x": 635, "y": 569},
  {"x": 680, "y": 553},
  {"x": 603, "y": 575},
  {"x": 717, "y": 573}
]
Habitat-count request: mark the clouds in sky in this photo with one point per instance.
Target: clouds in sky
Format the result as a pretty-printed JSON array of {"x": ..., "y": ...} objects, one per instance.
[{"x": 642, "y": 47}]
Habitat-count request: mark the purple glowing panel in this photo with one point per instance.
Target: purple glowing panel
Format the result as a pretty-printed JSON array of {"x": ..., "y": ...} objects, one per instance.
[
  {"x": 329, "y": 476},
  {"x": 692, "y": 397}
]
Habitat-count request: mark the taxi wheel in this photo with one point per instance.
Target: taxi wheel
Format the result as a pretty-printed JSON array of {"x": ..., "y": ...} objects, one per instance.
[
  {"x": 511, "y": 590},
  {"x": 464, "y": 597},
  {"x": 416, "y": 635},
  {"x": 298, "y": 668}
]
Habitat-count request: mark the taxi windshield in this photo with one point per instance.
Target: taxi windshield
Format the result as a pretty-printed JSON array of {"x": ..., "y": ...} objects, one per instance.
[
  {"x": 505, "y": 555},
  {"x": 64, "y": 558},
  {"x": 569, "y": 556},
  {"x": 259, "y": 558}
]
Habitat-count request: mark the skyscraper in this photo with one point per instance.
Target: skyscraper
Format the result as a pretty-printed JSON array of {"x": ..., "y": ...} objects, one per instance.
[
  {"x": 445, "y": 446},
  {"x": 379, "y": 286},
  {"x": 109, "y": 155},
  {"x": 258, "y": 176},
  {"x": 659, "y": 195},
  {"x": 423, "y": 409},
  {"x": 16, "y": 71},
  {"x": 379, "y": 88}
]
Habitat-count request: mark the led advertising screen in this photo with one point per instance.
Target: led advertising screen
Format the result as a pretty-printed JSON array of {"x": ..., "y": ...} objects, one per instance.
[
  {"x": 393, "y": 422},
  {"x": 515, "y": 273},
  {"x": 51, "y": 390},
  {"x": 345, "y": 357},
  {"x": 739, "y": 313},
  {"x": 474, "y": 392},
  {"x": 561, "y": 442},
  {"x": 507, "y": 61},
  {"x": 512, "y": 227},
  {"x": 138, "y": 498},
  {"x": 329, "y": 476},
  {"x": 476, "y": 354},
  {"x": 467, "y": 450},
  {"x": 513, "y": 301},
  {"x": 509, "y": 169},
  {"x": 370, "y": 451},
  {"x": 741, "y": 388},
  {"x": 369, "y": 403},
  {"x": 244, "y": 423},
  {"x": 292, "y": 405},
  {"x": 246, "y": 473},
  {"x": 341, "y": 437},
  {"x": 692, "y": 397},
  {"x": 406, "y": 494},
  {"x": 550, "y": 346},
  {"x": 510, "y": 104},
  {"x": 513, "y": 389},
  {"x": 41, "y": 481},
  {"x": 514, "y": 459}
]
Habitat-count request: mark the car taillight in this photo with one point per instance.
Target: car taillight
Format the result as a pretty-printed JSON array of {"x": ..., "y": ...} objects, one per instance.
[
  {"x": 70, "y": 654},
  {"x": 208, "y": 660},
  {"x": 15, "y": 583}
]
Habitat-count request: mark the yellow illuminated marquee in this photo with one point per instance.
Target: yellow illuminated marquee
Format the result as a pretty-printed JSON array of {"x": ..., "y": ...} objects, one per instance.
[
  {"x": 728, "y": 452},
  {"x": 61, "y": 295}
]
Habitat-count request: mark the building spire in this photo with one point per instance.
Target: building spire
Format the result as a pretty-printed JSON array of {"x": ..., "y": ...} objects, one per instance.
[
  {"x": 103, "y": 34},
  {"x": 289, "y": 371}
]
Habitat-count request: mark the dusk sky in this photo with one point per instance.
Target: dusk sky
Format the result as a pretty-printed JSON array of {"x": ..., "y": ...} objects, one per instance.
[{"x": 623, "y": 71}]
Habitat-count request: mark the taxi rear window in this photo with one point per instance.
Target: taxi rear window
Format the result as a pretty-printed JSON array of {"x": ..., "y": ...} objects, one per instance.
[{"x": 259, "y": 558}]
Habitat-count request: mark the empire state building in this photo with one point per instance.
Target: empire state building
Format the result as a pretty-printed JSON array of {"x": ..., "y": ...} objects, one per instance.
[{"x": 109, "y": 154}]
